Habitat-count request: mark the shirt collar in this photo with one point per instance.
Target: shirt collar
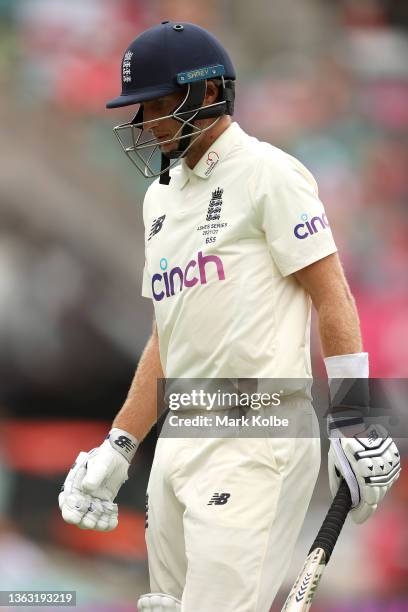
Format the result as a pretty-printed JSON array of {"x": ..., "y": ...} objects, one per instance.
[{"x": 214, "y": 156}]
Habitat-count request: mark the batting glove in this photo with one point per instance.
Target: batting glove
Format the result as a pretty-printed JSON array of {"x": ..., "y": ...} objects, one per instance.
[
  {"x": 369, "y": 462},
  {"x": 88, "y": 493},
  {"x": 158, "y": 602}
]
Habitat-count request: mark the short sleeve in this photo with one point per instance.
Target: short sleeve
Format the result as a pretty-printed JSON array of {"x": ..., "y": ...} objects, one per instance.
[
  {"x": 290, "y": 212},
  {"x": 146, "y": 283}
]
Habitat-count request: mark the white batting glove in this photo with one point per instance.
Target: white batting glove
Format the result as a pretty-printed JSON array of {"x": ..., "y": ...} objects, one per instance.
[
  {"x": 88, "y": 493},
  {"x": 83, "y": 510},
  {"x": 158, "y": 602},
  {"x": 369, "y": 462}
]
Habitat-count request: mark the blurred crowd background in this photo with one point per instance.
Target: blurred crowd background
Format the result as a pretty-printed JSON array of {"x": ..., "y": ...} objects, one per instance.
[{"x": 327, "y": 82}]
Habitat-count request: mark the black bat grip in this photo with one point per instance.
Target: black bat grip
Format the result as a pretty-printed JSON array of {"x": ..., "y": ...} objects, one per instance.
[{"x": 334, "y": 521}]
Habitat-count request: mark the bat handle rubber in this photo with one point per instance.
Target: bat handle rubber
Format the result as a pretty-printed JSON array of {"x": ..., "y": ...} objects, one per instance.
[{"x": 334, "y": 521}]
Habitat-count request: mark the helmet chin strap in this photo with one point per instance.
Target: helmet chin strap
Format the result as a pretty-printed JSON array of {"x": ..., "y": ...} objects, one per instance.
[{"x": 164, "y": 170}]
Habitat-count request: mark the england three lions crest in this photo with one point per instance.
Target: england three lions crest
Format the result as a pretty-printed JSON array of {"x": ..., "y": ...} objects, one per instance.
[{"x": 214, "y": 207}]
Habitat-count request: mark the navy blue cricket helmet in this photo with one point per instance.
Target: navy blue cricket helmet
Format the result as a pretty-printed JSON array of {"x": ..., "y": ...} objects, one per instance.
[
  {"x": 153, "y": 60},
  {"x": 171, "y": 57}
]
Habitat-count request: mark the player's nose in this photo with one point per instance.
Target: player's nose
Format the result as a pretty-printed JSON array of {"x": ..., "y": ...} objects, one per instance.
[{"x": 150, "y": 121}]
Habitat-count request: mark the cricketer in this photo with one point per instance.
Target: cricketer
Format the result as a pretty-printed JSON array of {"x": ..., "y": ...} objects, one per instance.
[{"x": 237, "y": 249}]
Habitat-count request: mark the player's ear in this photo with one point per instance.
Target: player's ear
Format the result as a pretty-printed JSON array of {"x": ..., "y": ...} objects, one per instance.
[{"x": 211, "y": 94}]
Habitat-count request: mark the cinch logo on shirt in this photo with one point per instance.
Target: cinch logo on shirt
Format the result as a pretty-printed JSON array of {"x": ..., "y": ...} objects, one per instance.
[
  {"x": 303, "y": 230},
  {"x": 175, "y": 280}
]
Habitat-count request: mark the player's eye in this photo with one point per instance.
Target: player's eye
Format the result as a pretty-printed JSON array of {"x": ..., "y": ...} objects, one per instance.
[{"x": 159, "y": 105}]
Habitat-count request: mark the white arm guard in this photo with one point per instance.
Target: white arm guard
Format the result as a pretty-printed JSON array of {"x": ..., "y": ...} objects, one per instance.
[{"x": 158, "y": 602}]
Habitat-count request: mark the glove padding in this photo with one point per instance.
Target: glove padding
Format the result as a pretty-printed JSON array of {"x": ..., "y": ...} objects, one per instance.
[
  {"x": 88, "y": 493},
  {"x": 369, "y": 462}
]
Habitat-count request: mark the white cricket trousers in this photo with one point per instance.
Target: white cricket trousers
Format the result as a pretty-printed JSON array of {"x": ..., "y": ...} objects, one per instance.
[{"x": 224, "y": 515}]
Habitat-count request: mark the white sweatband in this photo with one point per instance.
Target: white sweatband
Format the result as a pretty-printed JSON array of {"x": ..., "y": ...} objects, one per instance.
[{"x": 354, "y": 365}]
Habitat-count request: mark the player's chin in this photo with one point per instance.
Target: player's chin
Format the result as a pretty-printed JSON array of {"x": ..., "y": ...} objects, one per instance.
[{"x": 168, "y": 147}]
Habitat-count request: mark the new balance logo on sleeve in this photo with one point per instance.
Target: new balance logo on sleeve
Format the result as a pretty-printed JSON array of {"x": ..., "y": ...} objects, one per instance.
[
  {"x": 219, "y": 499},
  {"x": 156, "y": 226}
]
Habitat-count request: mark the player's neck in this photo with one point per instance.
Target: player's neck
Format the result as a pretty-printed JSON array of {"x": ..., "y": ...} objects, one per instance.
[{"x": 205, "y": 141}]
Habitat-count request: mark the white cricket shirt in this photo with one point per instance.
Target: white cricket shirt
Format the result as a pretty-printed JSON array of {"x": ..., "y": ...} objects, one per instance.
[{"x": 222, "y": 241}]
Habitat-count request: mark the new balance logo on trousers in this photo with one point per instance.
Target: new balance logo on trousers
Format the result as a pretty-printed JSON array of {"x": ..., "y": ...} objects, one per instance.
[{"x": 219, "y": 499}]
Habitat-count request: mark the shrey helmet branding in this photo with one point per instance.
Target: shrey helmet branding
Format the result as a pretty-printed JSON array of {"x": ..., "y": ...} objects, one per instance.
[
  {"x": 308, "y": 228},
  {"x": 170, "y": 282}
]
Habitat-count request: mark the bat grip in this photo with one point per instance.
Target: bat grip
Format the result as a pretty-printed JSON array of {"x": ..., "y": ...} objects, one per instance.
[{"x": 334, "y": 521}]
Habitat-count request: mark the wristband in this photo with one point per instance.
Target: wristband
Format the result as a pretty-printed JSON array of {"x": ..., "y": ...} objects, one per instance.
[
  {"x": 354, "y": 365},
  {"x": 123, "y": 442},
  {"x": 349, "y": 388}
]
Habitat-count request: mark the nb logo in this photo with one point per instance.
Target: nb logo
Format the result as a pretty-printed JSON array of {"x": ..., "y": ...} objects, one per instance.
[
  {"x": 372, "y": 436},
  {"x": 125, "y": 443},
  {"x": 156, "y": 226},
  {"x": 219, "y": 499}
]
